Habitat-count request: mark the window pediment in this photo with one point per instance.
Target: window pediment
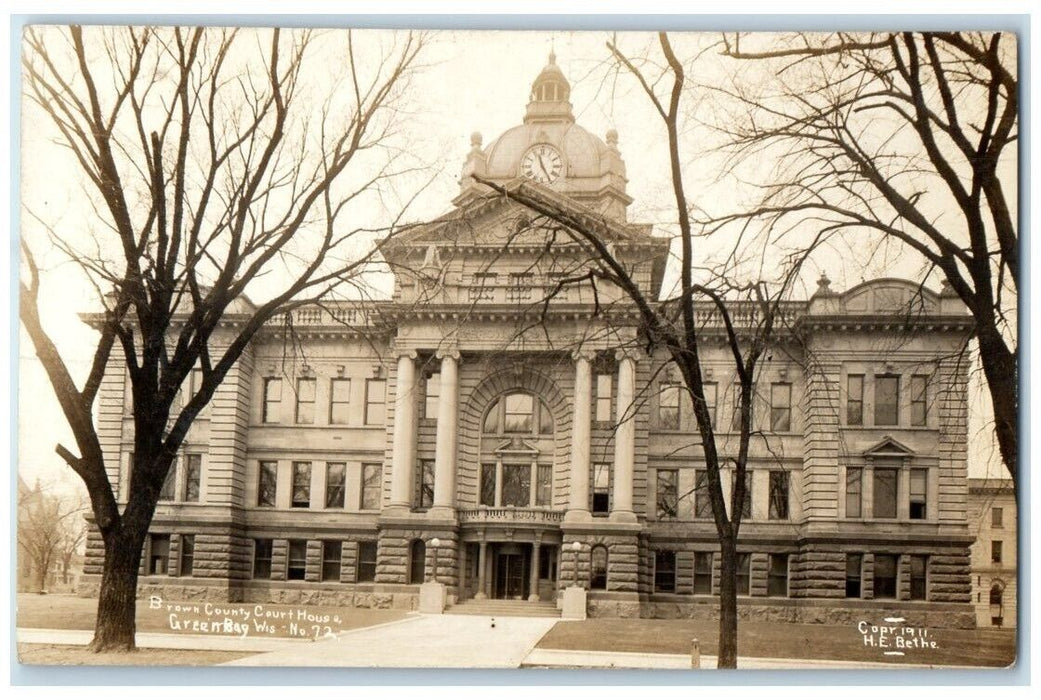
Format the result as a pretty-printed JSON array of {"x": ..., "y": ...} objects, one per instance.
[
  {"x": 516, "y": 447},
  {"x": 888, "y": 447}
]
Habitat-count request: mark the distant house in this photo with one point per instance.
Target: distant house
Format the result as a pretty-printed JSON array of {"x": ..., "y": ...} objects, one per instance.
[{"x": 992, "y": 518}]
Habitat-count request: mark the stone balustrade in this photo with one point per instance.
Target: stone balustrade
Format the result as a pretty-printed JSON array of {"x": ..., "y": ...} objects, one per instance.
[{"x": 510, "y": 514}]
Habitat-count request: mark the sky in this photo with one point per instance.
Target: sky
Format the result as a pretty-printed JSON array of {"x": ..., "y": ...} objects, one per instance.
[{"x": 471, "y": 82}]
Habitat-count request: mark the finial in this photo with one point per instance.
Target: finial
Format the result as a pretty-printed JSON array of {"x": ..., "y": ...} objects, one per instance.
[
  {"x": 824, "y": 284},
  {"x": 552, "y": 55},
  {"x": 612, "y": 138}
]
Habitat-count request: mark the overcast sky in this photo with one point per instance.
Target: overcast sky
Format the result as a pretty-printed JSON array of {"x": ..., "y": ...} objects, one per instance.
[{"x": 473, "y": 82}]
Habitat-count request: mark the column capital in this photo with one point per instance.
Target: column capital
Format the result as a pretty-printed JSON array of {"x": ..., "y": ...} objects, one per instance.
[
  {"x": 627, "y": 354},
  {"x": 587, "y": 354},
  {"x": 451, "y": 351},
  {"x": 410, "y": 353}
]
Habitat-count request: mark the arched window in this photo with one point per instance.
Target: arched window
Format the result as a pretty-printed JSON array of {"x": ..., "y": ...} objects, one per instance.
[
  {"x": 996, "y": 592},
  {"x": 598, "y": 568},
  {"x": 518, "y": 413},
  {"x": 417, "y": 558}
]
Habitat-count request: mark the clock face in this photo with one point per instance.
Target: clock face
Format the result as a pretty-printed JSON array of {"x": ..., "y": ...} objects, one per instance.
[{"x": 542, "y": 163}]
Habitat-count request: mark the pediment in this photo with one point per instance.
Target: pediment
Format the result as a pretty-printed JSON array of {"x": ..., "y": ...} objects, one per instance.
[
  {"x": 889, "y": 447},
  {"x": 517, "y": 447}
]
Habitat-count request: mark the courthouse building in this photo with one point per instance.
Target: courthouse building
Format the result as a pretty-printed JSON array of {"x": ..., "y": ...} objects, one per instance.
[{"x": 512, "y": 436}]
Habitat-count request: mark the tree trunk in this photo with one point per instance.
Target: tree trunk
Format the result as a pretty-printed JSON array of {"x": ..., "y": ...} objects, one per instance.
[
  {"x": 1000, "y": 366},
  {"x": 728, "y": 602},
  {"x": 117, "y": 623}
]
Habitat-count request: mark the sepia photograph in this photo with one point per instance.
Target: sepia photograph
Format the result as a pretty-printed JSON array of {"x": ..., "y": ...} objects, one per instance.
[{"x": 356, "y": 347}]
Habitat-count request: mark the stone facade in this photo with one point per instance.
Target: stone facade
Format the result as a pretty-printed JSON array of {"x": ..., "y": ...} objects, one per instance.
[
  {"x": 993, "y": 520},
  {"x": 509, "y": 419}
]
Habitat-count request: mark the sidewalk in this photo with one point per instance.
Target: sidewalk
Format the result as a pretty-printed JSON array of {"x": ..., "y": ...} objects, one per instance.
[{"x": 159, "y": 640}]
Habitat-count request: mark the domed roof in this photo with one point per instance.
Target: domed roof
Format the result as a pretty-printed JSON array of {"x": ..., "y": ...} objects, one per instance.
[{"x": 584, "y": 154}]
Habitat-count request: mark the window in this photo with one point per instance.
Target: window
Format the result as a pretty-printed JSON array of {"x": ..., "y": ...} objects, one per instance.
[
  {"x": 665, "y": 571},
  {"x": 781, "y": 407},
  {"x": 996, "y": 517},
  {"x": 995, "y": 552},
  {"x": 777, "y": 576},
  {"x": 483, "y": 285},
  {"x": 919, "y": 392},
  {"x": 335, "y": 484},
  {"x": 603, "y": 398},
  {"x": 331, "y": 554},
  {"x": 855, "y": 399},
  {"x": 884, "y": 483},
  {"x": 703, "y": 573},
  {"x": 375, "y": 401},
  {"x": 432, "y": 395},
  {"x": 262, "y": 559},
  {"x": 854, "y": 492},
  {"x": 424, "y": 497},
  {"x": 487, "y": 484},
  {"x": 702, "y": 502},
  {"x": 158, "y": 555},
  {"x": 601, "y": 489},
  {"x": 598, "y": 568},
  {"x": 192, "y": 384},
  {"x": 885, "y": 576},
  {"x": 919, "y": 566},
  {"x": 516, "y": 484},
  {"x": 169, "y": 490},
  {"x": 746, "y": 504},
  {"x": 779, "y": 489},
  {"x": 887, "y": 399},
  {"x": 301, "y": 484},
  {"x": 668, "y": 493},
  {"x": 371, "y": 475},
  {"x": 272, "y": 399},
  {"x": 339, "y": 401},
  {"x": 267, "y": 484},
  {"x": 544, "y": 485},
  {"x": 743, "y": 576},
  {"x": 296, "y": 570},
  {"x": 711, "y": 394},
  {"x": 518, "y": 413},
  {"x": 917, "y": 507},
  {"x": 305, "y": 396},
  {"x": 735, "y": 422},
  {"x": 366, "y": 562},
  {"x": 417, "y": 559},
  {"x": 187, "y": 555},
  {"x": 669, "y": 407},
  {"x": 854, "y": 568},
  {"x": 192, "y": 478}
]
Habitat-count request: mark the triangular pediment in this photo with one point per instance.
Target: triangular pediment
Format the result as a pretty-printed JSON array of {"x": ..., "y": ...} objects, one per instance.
[
  {"x": 888, "y": 447},
  {"x": 517, "y": 447},
  {"x": 493, "y": 220}
]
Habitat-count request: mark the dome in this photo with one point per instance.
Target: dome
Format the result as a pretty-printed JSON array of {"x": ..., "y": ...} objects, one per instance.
[{"x": 584, "y": 154}]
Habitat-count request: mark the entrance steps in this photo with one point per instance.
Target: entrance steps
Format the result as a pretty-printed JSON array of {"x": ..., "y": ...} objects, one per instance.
[{"x": 504, "y": 608}]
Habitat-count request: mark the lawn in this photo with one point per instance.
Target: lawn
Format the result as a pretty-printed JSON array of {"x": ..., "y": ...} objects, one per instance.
[
  {"x": 69, "y": 612},
  {"x": 63, "y": 655},
  {"x": 996, "y": 648}
]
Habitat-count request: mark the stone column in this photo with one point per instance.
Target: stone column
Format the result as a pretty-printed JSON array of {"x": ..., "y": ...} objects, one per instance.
[
  {"x": 624, "y": 440},
  {"x": 447, "y": 429},
  {"x": 578, "y": 501},
  {"x": 536, "y": 551},
  {"x": 482, "y": 566},
  {"x": 403, "y": 461}
]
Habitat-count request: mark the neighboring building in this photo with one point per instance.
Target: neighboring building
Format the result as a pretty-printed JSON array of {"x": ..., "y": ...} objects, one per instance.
[
  {"x": 463, "y": 410},
  {"x": 992, "y": 519}
]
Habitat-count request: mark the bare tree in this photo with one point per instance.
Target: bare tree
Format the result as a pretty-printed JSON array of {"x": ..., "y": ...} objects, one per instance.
[
  {"x": 51, "y": 527},
  {"x": 908, "y": 137},
  {"x": 749, "y": 311},
  {"x": 218, "y": 163}
]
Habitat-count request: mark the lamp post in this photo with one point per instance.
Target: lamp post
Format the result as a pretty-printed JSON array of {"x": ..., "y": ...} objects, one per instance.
[
  {"x": 435, "y": 543},
  {"x": 576, "y": 547}
]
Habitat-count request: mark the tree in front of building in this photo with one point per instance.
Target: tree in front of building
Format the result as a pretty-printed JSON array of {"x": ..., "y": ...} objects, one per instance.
[
  {"x": 51, "y": 529},
  {"x": 902, "y": 138},
  {"x": 215, "y": 163},
  {"x": 675, "y": 325}
]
